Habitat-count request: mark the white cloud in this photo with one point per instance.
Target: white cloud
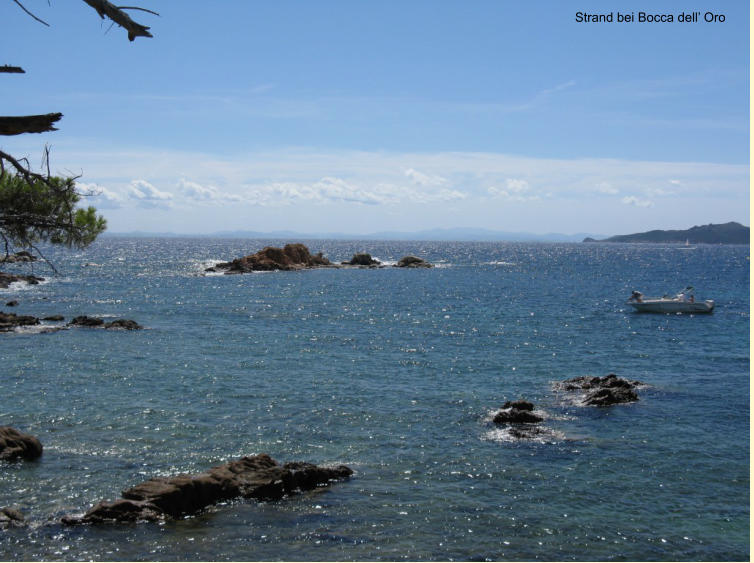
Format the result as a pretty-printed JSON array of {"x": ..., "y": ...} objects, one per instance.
[
  {"x": 208, "y": 194},
  {"x": 514, "y": 190},
  {"x": 607, "y": 188},
  {"x": 421, "y": 179},
  {"x": 99, "y": 196},
  {"x": 146, "y": 195},
  {"x": 633, "y": 200},
  {"x": 332, "y": 189}
]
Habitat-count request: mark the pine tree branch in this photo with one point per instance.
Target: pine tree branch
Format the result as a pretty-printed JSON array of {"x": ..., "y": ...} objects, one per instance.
[{"x": 14, "y": 69}]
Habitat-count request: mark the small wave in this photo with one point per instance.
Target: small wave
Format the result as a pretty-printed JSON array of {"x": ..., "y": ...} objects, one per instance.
[
  {"x": 540, "y": 435},
  {"x": 39, "y": 329},
  {"x": 500, "y": 263},
  {"x": 23, "y": 286}
]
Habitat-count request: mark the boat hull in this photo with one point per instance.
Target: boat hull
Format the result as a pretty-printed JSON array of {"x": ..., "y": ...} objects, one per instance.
[{"x": 672, "y": 306}]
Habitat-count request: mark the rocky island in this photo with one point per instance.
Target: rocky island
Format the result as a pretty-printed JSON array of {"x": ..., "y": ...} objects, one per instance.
[
  {"x": 725, "y": 233},
  {"x": 296, "y": 256}
]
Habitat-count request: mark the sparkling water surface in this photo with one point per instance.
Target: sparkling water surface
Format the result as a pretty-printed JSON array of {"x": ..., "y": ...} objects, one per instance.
[{"x": 395, "y": 373}]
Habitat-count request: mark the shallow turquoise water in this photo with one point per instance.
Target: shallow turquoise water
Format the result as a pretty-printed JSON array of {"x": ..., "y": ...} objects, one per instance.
[{"x": 393, "y": 372}]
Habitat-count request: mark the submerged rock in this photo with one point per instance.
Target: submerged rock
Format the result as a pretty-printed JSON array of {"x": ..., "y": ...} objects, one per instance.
[
  {"x": 54, "y": 318},
  {"x": 291, "y": 257},
  {"x": 259, "y": 477},
  {"x": 603, "y": 391},
  {"x": 15, "y": 444},
  {"x": 412, "y": 262},
  {"x": 124, "y": 324}
]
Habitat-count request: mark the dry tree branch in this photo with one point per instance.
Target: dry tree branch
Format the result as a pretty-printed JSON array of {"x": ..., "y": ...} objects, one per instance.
[
  {"x": 29, "y": 124},
  {"x": 137, "y": 8},
  {"x": 32, "y": 15},
  {"x": 106, "y": 9}
]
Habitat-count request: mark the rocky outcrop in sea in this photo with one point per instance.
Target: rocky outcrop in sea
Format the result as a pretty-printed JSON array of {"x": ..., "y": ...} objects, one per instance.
[
  {"x": 519, "y": 419},
  {"x": 603, "y": 391},
  {"x": 362, "y": 259},
  {"x": 11, "y": 321},
  {"x": 290, "y": 257},
  {"x": 15, "y": 444},
  {"x": 256, "y": 477},
  {"x": 412, "y": 262},
  {"x": 297, "y": 257}
]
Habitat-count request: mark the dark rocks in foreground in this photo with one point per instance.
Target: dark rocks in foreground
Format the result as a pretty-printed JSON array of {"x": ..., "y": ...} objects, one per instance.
[
  {"x": 7, "y": 279},
  {"x": 603, "y": 391},
  {"x": 258, "y": 477},
  {"x": 15, "y": 444},
  {"x": 412, "y": 262},
  {"x": 291, "y": 257}
]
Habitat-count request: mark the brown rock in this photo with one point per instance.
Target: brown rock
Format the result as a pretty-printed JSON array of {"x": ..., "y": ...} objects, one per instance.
[
  {"x": 83, "y": 320},
  {"x": 15, "y": 444},
  {"x": 412, "y": 262},
  {"x": 603, "y": 391},
  {"x": 258, "y": 477},
  {"x": 291, "y": 257},
  {"x": 516, "y": 416},
  {"x": 362, "y": 259}
]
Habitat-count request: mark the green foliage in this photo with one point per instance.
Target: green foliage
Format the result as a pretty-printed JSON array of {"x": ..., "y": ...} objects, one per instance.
[{"x": 37, "y": 209}]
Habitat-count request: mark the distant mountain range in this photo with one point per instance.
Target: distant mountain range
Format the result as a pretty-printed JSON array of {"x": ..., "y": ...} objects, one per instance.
[
  {"x": 460, "y": 234},
  {"x": 724, "y": 233}
]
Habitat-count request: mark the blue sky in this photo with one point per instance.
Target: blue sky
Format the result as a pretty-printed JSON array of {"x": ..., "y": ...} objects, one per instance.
[{"x": 363, "y": 116}]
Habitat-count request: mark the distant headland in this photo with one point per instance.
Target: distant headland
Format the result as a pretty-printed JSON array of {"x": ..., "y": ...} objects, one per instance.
[{"x": 723, "y": 233}]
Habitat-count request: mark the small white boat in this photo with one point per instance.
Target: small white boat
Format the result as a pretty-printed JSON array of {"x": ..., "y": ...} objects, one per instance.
[{"x": 682, "y": 302}]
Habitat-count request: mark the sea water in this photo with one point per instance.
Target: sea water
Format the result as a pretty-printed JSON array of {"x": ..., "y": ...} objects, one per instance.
[{"x": 395, "y": 373}]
